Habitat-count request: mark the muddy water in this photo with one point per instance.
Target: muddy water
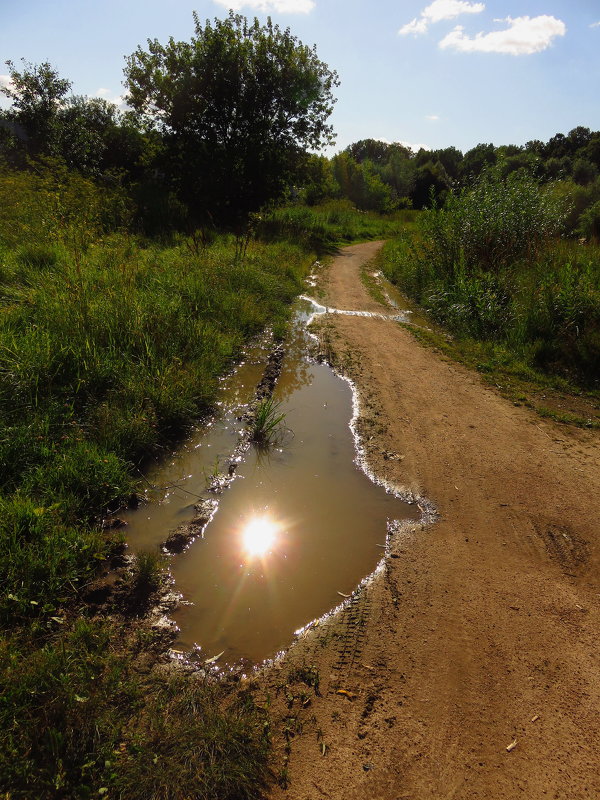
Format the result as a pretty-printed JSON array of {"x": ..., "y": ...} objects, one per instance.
[{"x": 300, "y": 525}]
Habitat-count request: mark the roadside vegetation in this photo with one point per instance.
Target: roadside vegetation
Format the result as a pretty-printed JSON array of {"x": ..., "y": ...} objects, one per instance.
[
  {"x": 501, "y": 267},
  {"x": 110, "y": 345}
]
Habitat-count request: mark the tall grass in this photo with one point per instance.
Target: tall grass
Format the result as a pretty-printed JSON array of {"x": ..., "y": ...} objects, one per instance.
[
  {"x": 267, "y": 423},
  {"x": 490, "y": 265},
  {"x": 321, "y": 228},
  {"x": 106, "y": 355}
]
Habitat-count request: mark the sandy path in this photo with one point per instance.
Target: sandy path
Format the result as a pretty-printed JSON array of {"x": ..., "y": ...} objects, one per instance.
[{"x": 481, "y": 629}]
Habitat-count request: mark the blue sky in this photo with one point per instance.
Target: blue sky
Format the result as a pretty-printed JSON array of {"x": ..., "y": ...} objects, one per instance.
[{"x": 447, "y": 72}]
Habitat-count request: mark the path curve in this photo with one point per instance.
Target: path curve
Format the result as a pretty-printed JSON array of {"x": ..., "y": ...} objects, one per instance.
[{"x": 481, "y": 630}]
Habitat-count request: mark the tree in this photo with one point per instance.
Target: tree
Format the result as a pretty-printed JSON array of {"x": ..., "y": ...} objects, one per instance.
[
  {"x": 399, "y": 172},
  {"x": 475, "y": 161},
  {"x": 373, "y": 150},
  {"x": 431, "y": 180},
  {"x": 361, "y": 184},
  {"x": 450, "y": 158},
  {"x": 318, "y": 181},
  {"x": 238, "y": 106},
  {"x": 37, "y": 94},
  {"x": 94, "y": 137},
  {"x": 584, "y": 172}
]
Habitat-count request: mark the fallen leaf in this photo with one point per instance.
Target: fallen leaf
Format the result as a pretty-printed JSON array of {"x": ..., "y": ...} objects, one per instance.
[{"x": 346, "y": 693}]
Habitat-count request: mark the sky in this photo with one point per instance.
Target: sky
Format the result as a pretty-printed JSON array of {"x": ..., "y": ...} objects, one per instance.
[{"x": 438, "y": 74}]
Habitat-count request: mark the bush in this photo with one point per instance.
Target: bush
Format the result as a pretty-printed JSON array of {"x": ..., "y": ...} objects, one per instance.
[
  {"x": 493, "y": 225},
  {"x": 589, "y": 222},
  {"x": 488, "y": 265}
]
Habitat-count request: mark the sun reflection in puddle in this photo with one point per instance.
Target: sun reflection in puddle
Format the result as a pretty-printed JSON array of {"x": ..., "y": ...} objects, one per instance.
[{"x": 259, "y": 536}]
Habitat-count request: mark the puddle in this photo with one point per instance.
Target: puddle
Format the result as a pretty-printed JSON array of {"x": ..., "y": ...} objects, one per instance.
[
  {"x": 299, "y": 526},
  {"x": 408, "y": 312},
  {"x": 400, "y": 316}
]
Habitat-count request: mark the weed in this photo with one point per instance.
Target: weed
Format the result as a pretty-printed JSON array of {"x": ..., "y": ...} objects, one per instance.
[
  {"x": 489, "y": 267},
  {"x": 147, "y": 573},
  {"x": 306, "y": 674},
  {"x": 267, "y": 422},
  {"x": 192, "y": 741}
]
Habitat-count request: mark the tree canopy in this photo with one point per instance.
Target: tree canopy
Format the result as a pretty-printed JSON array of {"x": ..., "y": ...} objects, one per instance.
[
  {"x": 36, "y": 94},
  {"x": 237, "y": 107}
]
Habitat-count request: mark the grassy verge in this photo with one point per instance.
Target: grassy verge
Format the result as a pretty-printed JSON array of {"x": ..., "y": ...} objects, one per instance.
[{"x": 511, "y": 368}]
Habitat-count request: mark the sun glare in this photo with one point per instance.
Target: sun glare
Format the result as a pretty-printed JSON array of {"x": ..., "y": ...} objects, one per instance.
[{"x": 258, "y": 536}]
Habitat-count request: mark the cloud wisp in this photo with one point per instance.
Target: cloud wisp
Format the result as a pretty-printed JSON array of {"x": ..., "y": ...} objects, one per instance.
[
  {"x": 438, "y": 11},
  {"x": 280, "y": 6},
  {"x": 523, "y": 36},
  {"x": 108, "y": 95}
]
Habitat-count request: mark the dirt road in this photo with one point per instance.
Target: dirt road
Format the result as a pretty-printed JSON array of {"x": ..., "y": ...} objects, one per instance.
[{"x": 480, "y": 630}]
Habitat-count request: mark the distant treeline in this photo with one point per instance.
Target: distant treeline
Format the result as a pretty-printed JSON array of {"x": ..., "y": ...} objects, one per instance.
[
  {"x": 174, "y": 183},
  {"x": 379, "y": 176}
]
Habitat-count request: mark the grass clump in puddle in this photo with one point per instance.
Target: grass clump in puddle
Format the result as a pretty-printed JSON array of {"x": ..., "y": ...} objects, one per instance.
[{"x": 267, "y": 424}]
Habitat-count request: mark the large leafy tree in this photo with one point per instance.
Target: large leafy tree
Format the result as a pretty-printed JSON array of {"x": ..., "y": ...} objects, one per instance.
[
  {"x": 238, "y": 106},
  {"x": 37, "y": 93}
]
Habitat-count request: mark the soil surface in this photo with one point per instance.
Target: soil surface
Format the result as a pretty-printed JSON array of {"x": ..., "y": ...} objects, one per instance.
[{"x": 469, "y": 666}]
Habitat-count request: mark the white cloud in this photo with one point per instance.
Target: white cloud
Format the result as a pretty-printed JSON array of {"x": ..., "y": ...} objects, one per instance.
[
  {"x": 524, "y": 36},
  {"x": 414, "y": 147},
  {"x": 110, "y": 97},
  {"x": 438, "y": 11},
  {"x": 281, "y": 6},
  {"x": 5, "y": 83},
  {"x": 595, "y": 25},
  {"x": 432, "y": 117},
  {"x": 449, "y": 9},
  {"x": 418, "y": 25}
]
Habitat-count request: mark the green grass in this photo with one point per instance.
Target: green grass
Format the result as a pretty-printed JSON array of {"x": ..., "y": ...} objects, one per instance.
[
  {"x": 322, "y": 228},
  {"x": 81, "y": 717},
  {"x": 267, "y": 422}
]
